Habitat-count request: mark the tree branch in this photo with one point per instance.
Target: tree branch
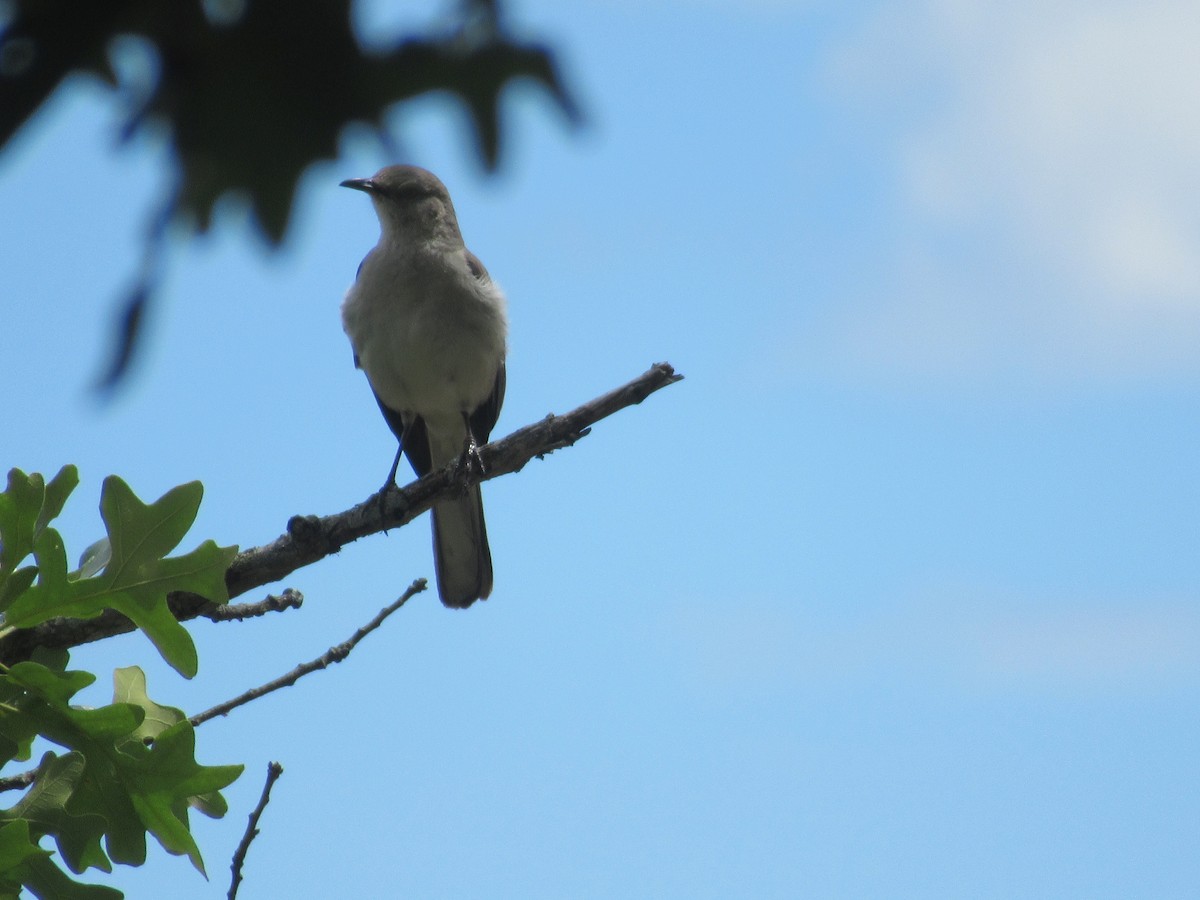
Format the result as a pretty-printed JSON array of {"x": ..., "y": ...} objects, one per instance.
[
  {"x": 334, "y": 654},
  {"x": 289, "y": 599},
  {"x": 274, "y": 770},
  {"x": 18, "y": 782},
  {"x": 312, "y": 538}
]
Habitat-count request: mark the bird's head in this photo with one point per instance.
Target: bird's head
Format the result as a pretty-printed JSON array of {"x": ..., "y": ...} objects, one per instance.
[{"x": 410, "y": 201}]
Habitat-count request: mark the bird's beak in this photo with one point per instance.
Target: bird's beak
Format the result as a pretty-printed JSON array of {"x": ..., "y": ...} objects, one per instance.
[{"x": 360, "y": 184}]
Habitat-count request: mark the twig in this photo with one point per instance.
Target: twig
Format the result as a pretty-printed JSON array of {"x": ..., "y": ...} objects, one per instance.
[
  {"x": 274, "y": 770},
  {"x": 311, "y": 538},
  {"x": 333, "y": 655},
  {"x": 289, "y": 599},
  {"x": 16, "y": 782}
]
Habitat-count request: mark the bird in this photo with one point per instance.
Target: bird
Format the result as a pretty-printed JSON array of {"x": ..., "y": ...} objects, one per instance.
[{"x": 429, "y": 328}]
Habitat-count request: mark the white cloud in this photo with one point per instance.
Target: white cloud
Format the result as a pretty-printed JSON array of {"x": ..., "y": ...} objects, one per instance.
[
  {"x": 958, "y": 637},
  {"x": 1077, "y": 647},
  {"x": 1049, "y": 158}
]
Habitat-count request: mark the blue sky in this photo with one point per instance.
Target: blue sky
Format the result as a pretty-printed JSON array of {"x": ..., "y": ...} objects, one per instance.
[{"x": 896, "y": 595}]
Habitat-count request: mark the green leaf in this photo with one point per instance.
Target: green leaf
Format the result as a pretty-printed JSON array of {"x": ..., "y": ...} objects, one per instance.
[
  {"x": 53, "y": 658},
  {"x": 54, "y": 717},
  {"x": 51, "y": 557},
  {"x": 17, "y": 731},
  {"x": 20, "y": 506},
  {"x": 104, "y": 792},
  {"x": 136, "y": 579},
  {"x": 110, "y": 785},
  {"x": 48, "y": 882},
  {"x": 44, "y": 708},
  {"x": 56, "y": 494},
  {"x": 16, "y": 846},
  {"x": 56, "y": 688},
  {"x": 14, "y": 585},
  {"x": 167, "y": 778},
  {"x": 107, "y": 723},
  {"x": 129, "y": 686},
  {"x": 212, "y": 804},
  {"x": 17, "y": 726},
  {"x": 45, "y": 808},
  {"x": 26, "y": 508},
  {"x": 94, "y": 558},
  {"x": 153, "y": 530}
]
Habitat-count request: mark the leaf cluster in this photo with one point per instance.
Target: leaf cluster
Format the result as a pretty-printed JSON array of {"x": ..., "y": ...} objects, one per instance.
[
  {"x": 129, "y": 768},
  {"x": 250, "y": 92},
  {"x": 126, "y": 571}
]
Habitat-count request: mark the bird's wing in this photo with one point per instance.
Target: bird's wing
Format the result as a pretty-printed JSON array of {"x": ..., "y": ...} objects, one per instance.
[
  {"x": 483, "y": 419},
  {"x": 478, "y": 269},
  {"x": 357, "y": 274},
  {"x": 411, "y": 435}
]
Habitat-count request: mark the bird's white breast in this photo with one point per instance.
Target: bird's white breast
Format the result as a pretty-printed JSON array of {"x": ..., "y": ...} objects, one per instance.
[{"x": 429, "y": 335}]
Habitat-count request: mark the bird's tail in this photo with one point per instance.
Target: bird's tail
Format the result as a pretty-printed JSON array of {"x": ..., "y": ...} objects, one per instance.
[{"x": 460, "y": 550}]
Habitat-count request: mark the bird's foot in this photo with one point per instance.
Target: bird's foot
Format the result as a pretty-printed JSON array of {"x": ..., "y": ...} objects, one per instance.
[
  {"x": 471, "y": 463},
  {"x": 388, "y": 485},
  {"x": 381, "y": 495}
]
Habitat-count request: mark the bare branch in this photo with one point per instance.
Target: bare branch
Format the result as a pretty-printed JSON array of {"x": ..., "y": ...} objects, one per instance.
[
  {"x": 289, "y": 599},
  {"x": 274, "y": 770},
  {"x": 17, "y": 782},
  {"x": 312, "y": 538},
  {"x": 333, "y": 655}
]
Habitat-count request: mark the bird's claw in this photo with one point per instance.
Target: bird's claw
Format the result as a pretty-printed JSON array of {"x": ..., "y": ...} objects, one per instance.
[
  {"x": 381, "y": 497},
  {"x": 470, "y": 463}
]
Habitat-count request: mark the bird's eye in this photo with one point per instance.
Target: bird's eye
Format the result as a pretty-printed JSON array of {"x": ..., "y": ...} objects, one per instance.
[{"x": 408, "y": 192}]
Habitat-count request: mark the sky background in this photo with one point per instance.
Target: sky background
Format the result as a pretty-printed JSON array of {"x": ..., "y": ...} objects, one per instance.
[{"x": 897, "y": 594}]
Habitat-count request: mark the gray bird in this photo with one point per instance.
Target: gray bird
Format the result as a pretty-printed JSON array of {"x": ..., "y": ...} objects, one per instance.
[{"x": 429, "y": 328}]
